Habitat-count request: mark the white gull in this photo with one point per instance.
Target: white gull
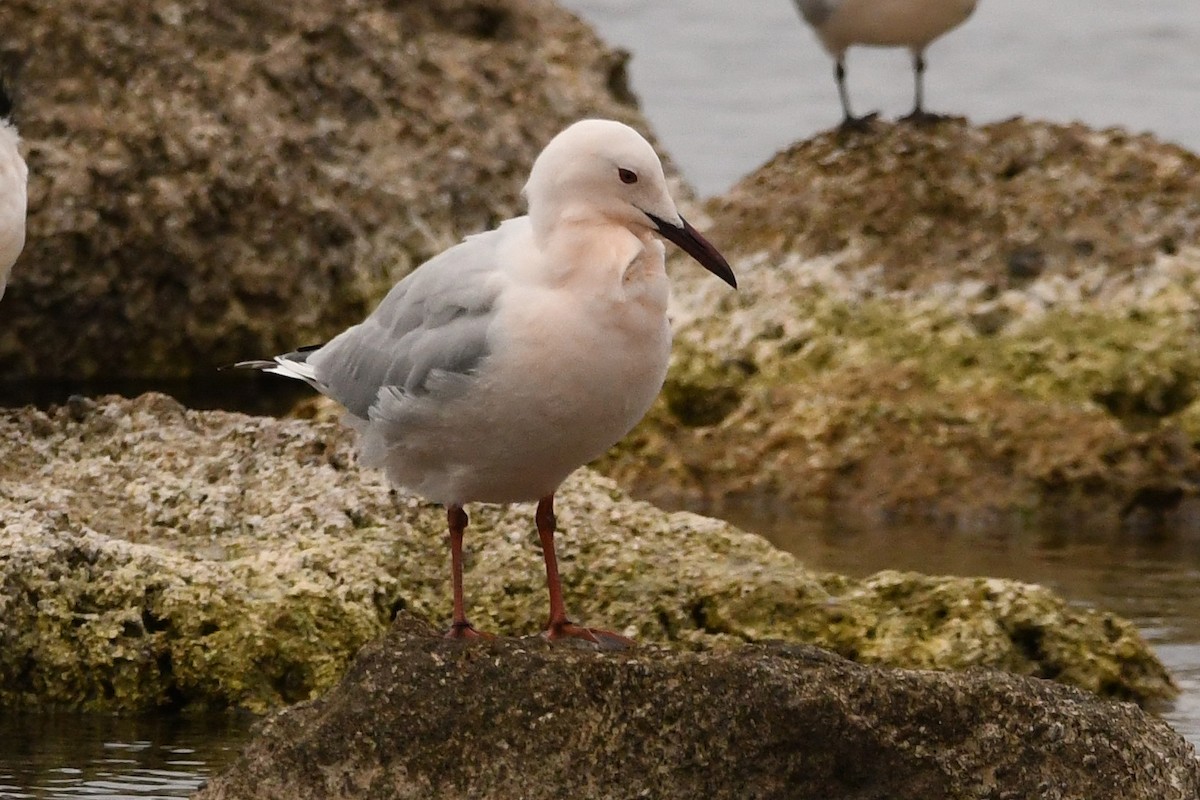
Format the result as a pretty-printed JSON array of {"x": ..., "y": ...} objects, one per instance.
[
  {"x": 500, "y": 366},
  {"x": 882, "y": 23},
  {"x": 14, "y": 176}
]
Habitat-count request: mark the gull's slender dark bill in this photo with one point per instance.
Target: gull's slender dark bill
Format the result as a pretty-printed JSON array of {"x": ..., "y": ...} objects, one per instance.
[{"x": 691, "y": 242}]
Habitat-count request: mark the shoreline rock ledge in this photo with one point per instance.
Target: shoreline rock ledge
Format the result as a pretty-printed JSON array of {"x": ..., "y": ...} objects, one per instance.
[
  {"x": 417, "y": 716},
  {"x": 154, "y": 557}
]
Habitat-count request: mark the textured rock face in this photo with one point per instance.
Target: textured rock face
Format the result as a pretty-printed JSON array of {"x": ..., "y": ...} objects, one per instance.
[
  {"x": 152, "y": 556},
  {"x": 950, "y": 323},
  {"x": 211, "y": 180},
  {"x": 1002, "y": 203},
  {"x": 417, "y": 716}
]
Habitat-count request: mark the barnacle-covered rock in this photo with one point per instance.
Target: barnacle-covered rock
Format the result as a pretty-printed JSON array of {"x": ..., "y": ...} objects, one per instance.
[{"x": 152, "y": 556}]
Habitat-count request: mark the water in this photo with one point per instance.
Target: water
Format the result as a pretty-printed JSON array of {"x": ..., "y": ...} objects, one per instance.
[
  {"x": 726, "y": 85},
  {"x": 69, "y": 756}
]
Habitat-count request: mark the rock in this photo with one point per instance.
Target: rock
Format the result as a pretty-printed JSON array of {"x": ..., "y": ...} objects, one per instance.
[
  {"x": 417, "y": 716},
  {"x": 156, "y": 557},
  {"x": 214, "y": 182},
  {"x": 1004, "y": 202},
  {"x": 918, "y": 334}
]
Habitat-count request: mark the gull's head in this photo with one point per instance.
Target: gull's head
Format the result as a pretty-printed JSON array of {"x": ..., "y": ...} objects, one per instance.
[{"x": 603, "y": 170}]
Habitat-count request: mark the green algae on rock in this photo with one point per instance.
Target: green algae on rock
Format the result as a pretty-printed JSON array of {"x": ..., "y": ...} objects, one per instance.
[
  {"x": 152, "y": 556},
  {"x": 913, "y": 371},
  {"x": 911, "y": 412}
]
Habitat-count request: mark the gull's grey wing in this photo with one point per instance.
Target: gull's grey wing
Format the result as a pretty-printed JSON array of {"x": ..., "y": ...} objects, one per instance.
[
  {"x": 815, "y": 12},
  {"x": 434, "y": 322}
]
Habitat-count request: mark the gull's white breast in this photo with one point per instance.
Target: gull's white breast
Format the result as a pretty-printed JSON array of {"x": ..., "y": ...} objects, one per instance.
[
  {"x": 891, "y": 23},
  {"x": 572, "y": 368}
]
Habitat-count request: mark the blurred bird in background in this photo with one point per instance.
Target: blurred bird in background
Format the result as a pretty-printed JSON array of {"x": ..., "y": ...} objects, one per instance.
[{"x": 883, "y": 23}]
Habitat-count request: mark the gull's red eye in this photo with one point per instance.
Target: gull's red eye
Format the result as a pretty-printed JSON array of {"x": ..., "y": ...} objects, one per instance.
[{"x": 627, "y": 175}]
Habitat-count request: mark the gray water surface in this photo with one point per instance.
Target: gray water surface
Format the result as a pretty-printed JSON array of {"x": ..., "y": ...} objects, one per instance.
[
  {"x": 104, "y": 757},
  {"x": 726, "y": 85}
]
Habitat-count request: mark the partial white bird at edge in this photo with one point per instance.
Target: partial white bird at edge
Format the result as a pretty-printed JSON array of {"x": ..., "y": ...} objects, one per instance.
[{"x": 14, "y": 179}]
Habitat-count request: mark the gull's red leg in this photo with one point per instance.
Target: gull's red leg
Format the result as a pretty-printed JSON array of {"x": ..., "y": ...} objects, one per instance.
[
  {"x": 559, "y": 626},
  {"x": 460, "y": 628}
]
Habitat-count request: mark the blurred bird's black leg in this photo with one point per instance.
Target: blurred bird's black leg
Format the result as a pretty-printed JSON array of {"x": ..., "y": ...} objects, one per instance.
[
  {"x": 559, "y": 626},
  {"x": 849, "y": 121},
  {"x": 919, "y": 115},
  {"x": 460, "y": 628}
]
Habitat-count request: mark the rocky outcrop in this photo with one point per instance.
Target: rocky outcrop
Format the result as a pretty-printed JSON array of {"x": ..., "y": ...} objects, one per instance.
[
  {"x": 152, "y": 556},
  {"x": 417, "y": 716},
  {"x": 947, "y": 323},
  {"x": 212, "y": 181},
  {"x": 1004, "y": 203}
]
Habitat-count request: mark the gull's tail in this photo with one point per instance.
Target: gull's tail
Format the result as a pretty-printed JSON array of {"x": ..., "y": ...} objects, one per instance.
[{"x": 290, "y": 365}]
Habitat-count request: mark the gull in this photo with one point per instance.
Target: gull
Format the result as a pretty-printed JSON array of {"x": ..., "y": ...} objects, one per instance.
[
  {"x": 14, "y": 176},
  {"x": 882, "y": 23},
  {"x": 497, "y": 368}
]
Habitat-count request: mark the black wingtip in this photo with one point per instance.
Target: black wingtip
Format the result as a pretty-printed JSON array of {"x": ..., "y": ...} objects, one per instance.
[
  {"x": 258, "y": 364},
  {"x": 6, "y": 100},
  {"x": 11, "y": 65},
  {"x": 301, "y": 354}
]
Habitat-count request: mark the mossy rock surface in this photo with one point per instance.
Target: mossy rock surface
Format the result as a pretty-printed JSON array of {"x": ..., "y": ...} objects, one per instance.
[
  {"x": 152, "y": 556},
  {"x": 883, "y": 355}
]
